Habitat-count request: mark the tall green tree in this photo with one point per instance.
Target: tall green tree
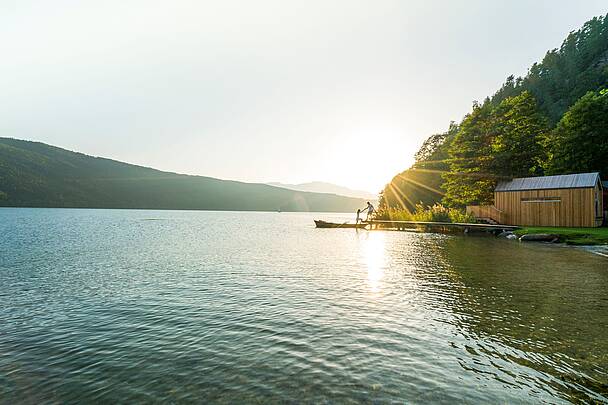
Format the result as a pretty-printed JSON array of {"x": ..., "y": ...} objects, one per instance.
[
  {"x": 495, "y": 143},
  {"x": 580, "y": 141},
  {"x": 470, "y": 179},
  {"x": 519, "y": 131}
]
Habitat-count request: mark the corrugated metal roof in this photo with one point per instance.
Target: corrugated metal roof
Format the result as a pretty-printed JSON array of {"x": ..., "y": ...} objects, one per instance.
[{"x": 580, "y": 180}]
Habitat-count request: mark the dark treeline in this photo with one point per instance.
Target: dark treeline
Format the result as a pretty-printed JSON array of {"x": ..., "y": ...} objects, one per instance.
[{"x": 552, "y": 121}]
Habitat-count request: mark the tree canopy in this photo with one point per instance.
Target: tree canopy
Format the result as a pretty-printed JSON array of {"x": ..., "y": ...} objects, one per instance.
[
  {"x": 494, "y": 143},
  {"x": 565, "y": 74},
  {"x": 580, "y": 141}
]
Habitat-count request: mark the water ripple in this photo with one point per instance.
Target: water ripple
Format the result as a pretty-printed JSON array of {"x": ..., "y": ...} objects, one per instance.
[{"x": 137, "y": 306}]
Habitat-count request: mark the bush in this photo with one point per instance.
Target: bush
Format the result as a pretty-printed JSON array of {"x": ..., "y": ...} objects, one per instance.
[
  {"x": 461, "y": 216},
  {"x": 391, "y": 214},
  {"x": 435, "y": 213}
]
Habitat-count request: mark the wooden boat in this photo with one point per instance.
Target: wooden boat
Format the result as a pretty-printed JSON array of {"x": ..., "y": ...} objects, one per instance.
[{"x": 324, "y": 224}]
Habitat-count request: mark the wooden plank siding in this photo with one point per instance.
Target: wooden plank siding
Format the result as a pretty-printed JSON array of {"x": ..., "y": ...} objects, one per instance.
[
  {"x": 605, "y": 201},
  {"x": 572, "y": 207},
  {"x": 487, "y": 211},
  {"x": 599, "y": 191}
]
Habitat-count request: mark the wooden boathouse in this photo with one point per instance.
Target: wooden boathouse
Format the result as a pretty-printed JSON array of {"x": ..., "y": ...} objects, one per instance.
[
  {"x": 571, "y": 200},
  {"x": 605, "y": 186}
]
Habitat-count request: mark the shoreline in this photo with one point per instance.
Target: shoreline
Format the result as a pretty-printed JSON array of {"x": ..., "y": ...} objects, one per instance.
[
  {"x": 584, "y": 237},
  {"x": 570, "y": 236}
]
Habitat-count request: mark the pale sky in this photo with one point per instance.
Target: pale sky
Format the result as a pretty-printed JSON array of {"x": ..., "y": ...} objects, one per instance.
[{"x": 265, "y": 90}]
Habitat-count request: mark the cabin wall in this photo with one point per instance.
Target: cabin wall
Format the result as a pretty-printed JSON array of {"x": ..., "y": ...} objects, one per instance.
[
  {"x": 605, "y": 202},
  {"x": 558, "y": 207},
  {"x": 599, "y": 194}
]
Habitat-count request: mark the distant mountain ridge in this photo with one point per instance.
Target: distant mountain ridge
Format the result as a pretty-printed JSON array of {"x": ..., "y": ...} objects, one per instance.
[
  {"x": 34, "y": 174},
  {"x": 329, "y": 188}
]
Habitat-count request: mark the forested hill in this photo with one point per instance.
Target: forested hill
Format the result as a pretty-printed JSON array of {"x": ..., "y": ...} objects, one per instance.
[
  {"x": 565, "y": 74},
  {"x": 554, "y": 120},
  {"x": 34, "y": 174}
]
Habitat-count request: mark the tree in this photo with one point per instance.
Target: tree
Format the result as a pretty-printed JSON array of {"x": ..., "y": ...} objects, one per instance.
[
  {"x": 470, "y": 179},
  {"x": 429, "y": 146},
  {"x": 565, "y": 74},
  {"x": 580, "y": 141},
  {"x": 495, "y": 143},
  {"x": 519, "y": 130}
]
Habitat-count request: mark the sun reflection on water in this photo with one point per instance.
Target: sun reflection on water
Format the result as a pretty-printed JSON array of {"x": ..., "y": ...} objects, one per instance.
[{"x": 373, "y": 253}]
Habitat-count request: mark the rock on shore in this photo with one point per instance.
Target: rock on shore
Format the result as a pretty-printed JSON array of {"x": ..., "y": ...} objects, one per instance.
[{"x": 539, "y": 237}]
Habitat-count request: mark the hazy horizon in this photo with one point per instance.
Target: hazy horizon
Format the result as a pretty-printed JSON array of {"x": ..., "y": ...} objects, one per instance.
[{"x": 265, "y": 92}]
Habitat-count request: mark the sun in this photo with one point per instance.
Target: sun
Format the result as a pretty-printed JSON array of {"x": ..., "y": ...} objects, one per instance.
[{"x": 366, "y": 161}]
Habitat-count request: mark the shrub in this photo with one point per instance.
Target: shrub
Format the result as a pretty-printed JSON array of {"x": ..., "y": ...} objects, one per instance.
[
  {"x": 391, "y": 214},
  {"x": 435, "y": 213}
]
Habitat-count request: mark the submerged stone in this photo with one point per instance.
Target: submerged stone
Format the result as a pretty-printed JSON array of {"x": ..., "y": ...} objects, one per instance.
[{"x": 506, "y": 234}]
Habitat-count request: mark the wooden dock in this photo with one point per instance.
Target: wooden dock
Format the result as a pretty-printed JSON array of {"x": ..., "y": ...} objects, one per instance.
[{"x": 441, "y": 226}]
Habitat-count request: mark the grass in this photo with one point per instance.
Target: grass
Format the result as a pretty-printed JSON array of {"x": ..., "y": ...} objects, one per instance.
[{"x": 572, "y": 236}]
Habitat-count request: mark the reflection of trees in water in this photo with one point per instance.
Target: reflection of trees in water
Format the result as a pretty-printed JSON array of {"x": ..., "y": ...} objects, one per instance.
[{"x": 542, "y": 307}]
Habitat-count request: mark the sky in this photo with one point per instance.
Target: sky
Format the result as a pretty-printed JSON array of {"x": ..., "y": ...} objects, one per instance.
[{"x": 266, "y": 90}]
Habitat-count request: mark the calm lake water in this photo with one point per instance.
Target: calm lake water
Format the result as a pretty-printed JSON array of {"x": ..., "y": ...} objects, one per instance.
[{"x": 172, "y": 306}]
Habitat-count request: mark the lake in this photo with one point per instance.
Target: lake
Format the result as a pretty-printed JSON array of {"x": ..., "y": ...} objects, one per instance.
[{"x": 229, "y": 307}]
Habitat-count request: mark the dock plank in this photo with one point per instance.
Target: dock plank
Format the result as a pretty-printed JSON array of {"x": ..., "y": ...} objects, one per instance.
[{"x": 444, "y": 224}]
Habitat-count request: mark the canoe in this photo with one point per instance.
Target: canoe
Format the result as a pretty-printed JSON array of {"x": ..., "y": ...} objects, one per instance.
[{"x": 324, "y": 224}]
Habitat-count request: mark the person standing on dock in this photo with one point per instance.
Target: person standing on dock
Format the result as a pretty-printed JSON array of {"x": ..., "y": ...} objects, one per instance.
[{"x": 370, "y": 211}]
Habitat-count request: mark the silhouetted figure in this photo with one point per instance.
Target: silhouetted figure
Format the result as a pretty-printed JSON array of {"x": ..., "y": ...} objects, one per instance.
[
  {"x": 370, "y": 211},
  {"x": 358, "y": 216}
]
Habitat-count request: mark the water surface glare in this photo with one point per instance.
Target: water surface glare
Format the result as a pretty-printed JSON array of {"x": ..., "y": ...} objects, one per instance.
[{"x": 172, "y": 306}]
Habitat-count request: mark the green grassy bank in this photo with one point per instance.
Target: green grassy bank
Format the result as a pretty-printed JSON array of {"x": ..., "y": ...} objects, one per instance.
[{"x": 572, "y": 236}]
